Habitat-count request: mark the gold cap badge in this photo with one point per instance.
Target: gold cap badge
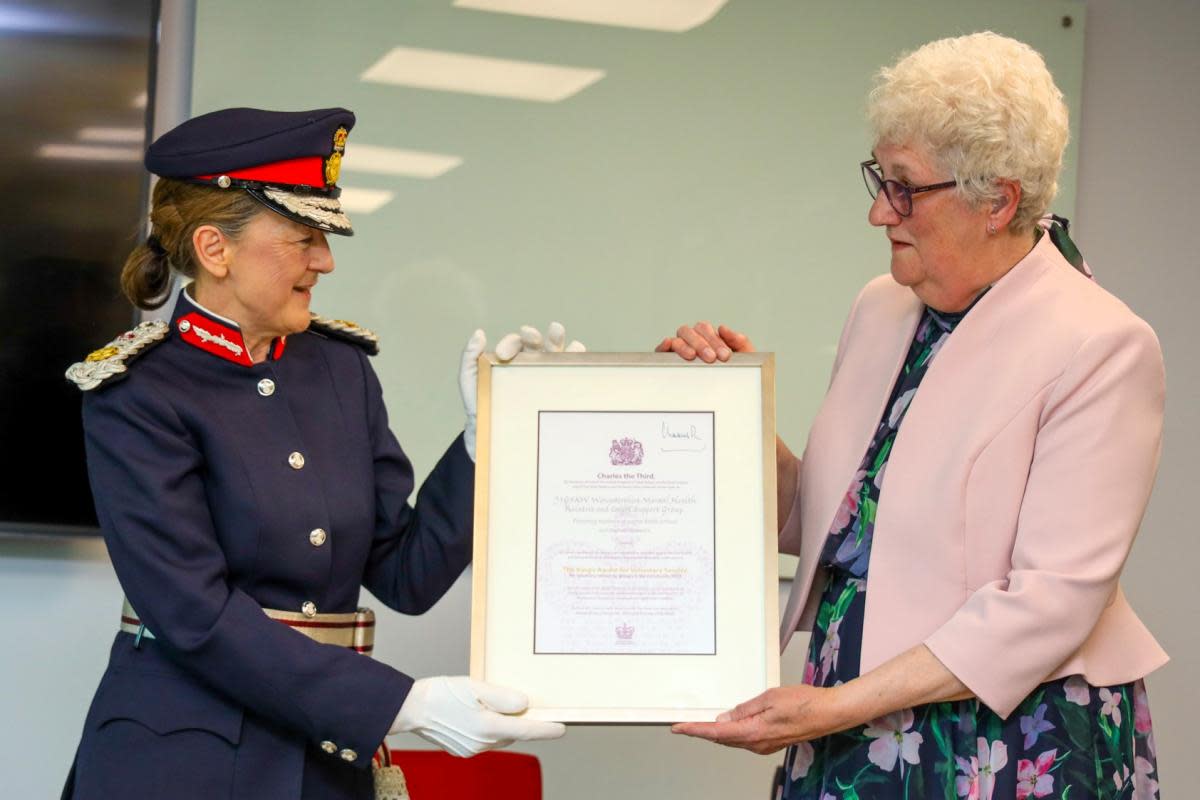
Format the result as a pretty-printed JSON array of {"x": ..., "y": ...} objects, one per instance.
[
  {"x": 333, "y": 167},
  {"x": 333, "y": 164}
]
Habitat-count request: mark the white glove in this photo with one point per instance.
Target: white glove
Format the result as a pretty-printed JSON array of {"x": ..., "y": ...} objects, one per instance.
[
  {"x": 465, "y": 717},
  {"x": 529, "y": 338},
  {"x": 468, "y": 381}
]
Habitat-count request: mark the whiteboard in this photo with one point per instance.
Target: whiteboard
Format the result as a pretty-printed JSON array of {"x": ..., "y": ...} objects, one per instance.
[{"x": 708, "y": 174}]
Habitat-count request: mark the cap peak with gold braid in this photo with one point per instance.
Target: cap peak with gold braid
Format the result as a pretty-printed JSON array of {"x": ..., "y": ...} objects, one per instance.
[
  {"x": 289, "y": 161},
  {"x": 112, "y": 361},
  {"x": 346, "y": 331}
]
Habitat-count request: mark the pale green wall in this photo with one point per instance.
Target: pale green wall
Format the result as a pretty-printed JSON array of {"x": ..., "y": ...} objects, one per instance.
[{"x": 710, "y": 174}]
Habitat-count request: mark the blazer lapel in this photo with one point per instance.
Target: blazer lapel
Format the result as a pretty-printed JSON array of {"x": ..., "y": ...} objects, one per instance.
[
  {"x": 953, "y": 408},
  {"x": 875, "y": 350},
  {"x": 958, "y": 370}
]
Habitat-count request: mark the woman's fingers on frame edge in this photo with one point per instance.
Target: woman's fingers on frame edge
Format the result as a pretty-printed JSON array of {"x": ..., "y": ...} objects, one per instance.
[
  {"x": 715, "y": 342},
  {"x": 738, "y": 342},
  {"x": 681, "y": 346},
  {"x": 697, "y": 341}
]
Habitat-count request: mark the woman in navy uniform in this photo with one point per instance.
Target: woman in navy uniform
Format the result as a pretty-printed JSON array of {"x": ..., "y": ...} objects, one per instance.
[{"x": 248, "y": 485}]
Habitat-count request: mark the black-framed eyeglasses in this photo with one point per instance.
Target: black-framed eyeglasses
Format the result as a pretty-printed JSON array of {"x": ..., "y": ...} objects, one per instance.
[{"x": 899, "y": 196}]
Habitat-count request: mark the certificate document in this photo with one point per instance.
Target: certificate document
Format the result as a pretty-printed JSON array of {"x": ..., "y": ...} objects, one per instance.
[
  {"x": 607, "y": 485},
  {"x": 625, "y": 552}
]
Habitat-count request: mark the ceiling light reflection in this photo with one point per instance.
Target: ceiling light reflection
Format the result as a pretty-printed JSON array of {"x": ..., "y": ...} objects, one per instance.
[
  {"x": 364, "y": 201},
  {"x": 97, "y": 133},
  {"x": 674, "y": 16},
  {"x": 496, "y": 77},
  {"x": 396, "y": 161},
  {"x": 90, "y": 152}
]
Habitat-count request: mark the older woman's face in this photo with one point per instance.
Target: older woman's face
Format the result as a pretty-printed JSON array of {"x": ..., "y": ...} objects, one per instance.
[
  {"x": 931, "y": 248},
  {"x": 276, "y": 263}
]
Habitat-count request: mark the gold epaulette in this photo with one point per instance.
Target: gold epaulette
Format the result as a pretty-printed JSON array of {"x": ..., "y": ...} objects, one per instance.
[
  {"x": 112, "y": 361},
  {"x": 346, "y": 331}
]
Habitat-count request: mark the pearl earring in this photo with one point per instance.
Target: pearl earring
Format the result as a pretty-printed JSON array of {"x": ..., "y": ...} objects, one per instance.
[{"x": 991, "y": 228}]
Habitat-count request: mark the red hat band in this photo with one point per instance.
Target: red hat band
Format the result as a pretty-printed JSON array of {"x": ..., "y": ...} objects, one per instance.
[{"x": 305, "y": 171}]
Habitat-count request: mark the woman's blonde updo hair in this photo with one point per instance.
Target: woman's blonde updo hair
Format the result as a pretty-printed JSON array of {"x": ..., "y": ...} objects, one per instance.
[
  {"x": 985, "y": 107},
  {"x": 178, "y": 208}
]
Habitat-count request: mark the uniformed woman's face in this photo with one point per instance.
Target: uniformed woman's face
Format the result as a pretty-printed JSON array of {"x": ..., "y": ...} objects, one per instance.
[{"x": 275, "y": 264}]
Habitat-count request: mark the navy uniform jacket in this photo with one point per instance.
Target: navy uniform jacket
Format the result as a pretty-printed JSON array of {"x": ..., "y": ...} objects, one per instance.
[{"x": 207, "y": 523}]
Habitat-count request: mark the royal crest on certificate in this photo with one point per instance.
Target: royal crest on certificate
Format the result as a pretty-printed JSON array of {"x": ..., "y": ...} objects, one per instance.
[{"x": 625, "y": 560}]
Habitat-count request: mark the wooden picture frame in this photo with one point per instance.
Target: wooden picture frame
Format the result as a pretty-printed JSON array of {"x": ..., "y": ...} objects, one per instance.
[{"x": 631, "y": 582}]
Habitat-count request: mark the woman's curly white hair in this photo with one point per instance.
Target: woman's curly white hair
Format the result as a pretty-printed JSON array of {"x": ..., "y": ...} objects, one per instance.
[{"x": 985, "y": 107}]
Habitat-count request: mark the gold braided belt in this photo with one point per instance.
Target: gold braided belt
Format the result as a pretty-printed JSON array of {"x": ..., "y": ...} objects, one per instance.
[{"x": 354, "y": 629}]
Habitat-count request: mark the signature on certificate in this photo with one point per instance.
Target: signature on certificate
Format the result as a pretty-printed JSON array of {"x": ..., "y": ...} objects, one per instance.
[{"x": 681, "y": 440}]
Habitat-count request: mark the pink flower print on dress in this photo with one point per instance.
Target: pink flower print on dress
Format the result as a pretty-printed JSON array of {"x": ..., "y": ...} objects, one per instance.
[
  {"x": 879, "y": 476},
  {"x": 991, "y": 760},
  {"x": 1144, "y": 787},
  {"x": 1034, "y": 778},
  {"x": 849, "y": 506},
  {"x": 899, "y": 407},
  {"x": 810, "y": 674},
  {"x": 893, "y": 741},
  {"x": 1141, "y": 709},
  {"x": 830, "y": 648},
  {"x": 802, "y": 761},
  {"x": 967, "y": 784},
  {"x": 1077, "y": 690},
  {"x": 1120, "y": 779},
  {"x": 1112, "y": 706}
]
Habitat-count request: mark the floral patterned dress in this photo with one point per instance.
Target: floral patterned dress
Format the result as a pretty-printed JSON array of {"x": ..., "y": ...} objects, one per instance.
[{"x": 1067, "y": 740}]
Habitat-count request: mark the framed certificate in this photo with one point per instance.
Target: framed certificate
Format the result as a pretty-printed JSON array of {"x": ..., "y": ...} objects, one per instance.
[{"x": 625, "y": 565}]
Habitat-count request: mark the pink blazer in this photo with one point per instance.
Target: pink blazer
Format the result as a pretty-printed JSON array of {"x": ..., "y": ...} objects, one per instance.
[{"x": 1014, "y": 489}]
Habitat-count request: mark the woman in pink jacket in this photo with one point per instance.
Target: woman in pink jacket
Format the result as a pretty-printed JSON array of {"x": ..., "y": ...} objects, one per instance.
[{"x": 960, "y": 546}]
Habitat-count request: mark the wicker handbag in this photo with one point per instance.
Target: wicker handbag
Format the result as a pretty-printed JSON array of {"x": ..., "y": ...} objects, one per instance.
[{"x": 389, "y": 780}]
